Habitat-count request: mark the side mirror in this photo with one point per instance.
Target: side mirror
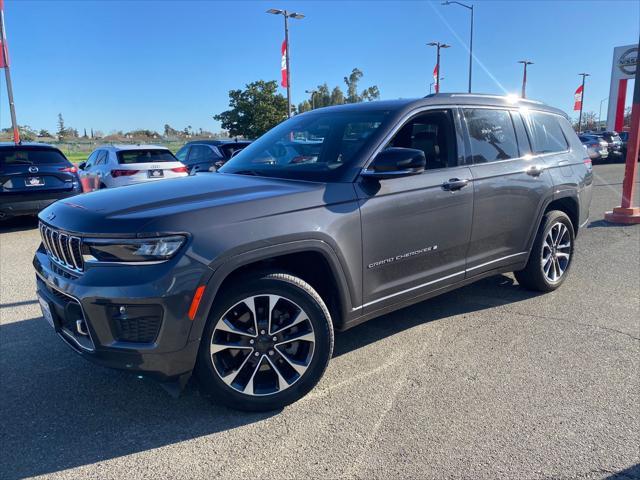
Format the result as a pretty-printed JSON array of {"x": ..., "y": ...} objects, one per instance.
[
  {"x": 82, "y": 165},
  {"x": 396, "y": 162}
]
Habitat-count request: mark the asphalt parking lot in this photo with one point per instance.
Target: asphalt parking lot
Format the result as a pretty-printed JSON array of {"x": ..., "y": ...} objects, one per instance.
[{"x": 490, "y": 381}]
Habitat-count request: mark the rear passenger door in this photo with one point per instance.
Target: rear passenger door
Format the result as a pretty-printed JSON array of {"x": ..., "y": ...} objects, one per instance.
[
  {"x": 510, "y": 186},
  {"x": 201, "y": 157}
]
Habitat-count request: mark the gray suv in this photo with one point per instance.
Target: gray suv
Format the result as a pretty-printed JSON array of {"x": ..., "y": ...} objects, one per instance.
[{"x": 331, "y": 218}]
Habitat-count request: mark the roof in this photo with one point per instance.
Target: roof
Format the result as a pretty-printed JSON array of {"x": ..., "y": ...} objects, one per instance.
[
  {"x": 117, "y": 148},
  {"x": 26, "y": 144},
  {"x": 216, "y": 142},
  {"x": 444, "y": 99}
]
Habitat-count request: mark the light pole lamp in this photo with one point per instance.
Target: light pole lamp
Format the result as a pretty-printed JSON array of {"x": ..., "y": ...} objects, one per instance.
[
  {"x": 286, "y": 14},
  {"x": 470, "y": 8},
  {"x": 524, "y": 77},
  {"x": 313, "y": 98},
  {"x": 584, "y": 75},
  {"x": 438, "y": 46}
]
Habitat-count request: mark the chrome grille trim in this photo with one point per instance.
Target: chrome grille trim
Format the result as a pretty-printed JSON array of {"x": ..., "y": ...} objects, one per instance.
[{"x": 63, "y": 248}]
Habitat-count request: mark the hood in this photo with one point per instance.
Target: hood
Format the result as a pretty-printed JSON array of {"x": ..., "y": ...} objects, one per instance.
[{"x": 128, "y": 210}]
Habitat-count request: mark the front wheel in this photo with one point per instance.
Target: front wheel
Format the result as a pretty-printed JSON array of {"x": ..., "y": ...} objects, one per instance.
[
  {"x": 551, "y": 254},
  {"x": 267, "y": 343}
]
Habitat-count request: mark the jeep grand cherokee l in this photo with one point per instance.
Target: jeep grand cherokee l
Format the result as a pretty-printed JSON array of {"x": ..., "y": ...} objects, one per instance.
[{"x": 331, "y": 218}]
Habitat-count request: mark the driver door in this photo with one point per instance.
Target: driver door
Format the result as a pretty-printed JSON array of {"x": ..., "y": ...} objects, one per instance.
[{"x": 416, "y": 229}]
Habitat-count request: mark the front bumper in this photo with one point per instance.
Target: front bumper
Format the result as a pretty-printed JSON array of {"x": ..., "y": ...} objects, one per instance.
[{"x": 150, "y": 336}]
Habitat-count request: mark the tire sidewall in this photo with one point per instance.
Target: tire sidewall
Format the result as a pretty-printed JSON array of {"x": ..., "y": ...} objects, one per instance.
[
  {"x": 550, "y": 220},
  {"x": 323, "y": 347}
]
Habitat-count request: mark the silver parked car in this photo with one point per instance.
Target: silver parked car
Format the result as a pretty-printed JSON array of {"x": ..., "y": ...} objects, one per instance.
[
  {"x": 119, "y": 165},
  {"x": 597, "y": 148}
]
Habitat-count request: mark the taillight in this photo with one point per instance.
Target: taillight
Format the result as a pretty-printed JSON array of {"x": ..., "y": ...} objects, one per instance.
[
  {"x": 123, "y": 173},
  {"x": 69, "y": 169},
  {"x": 587, "y": 163},
  {"x": 180, "y": 170}
]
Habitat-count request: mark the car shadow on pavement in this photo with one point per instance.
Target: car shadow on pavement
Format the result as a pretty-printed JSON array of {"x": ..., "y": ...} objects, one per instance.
[
  {"x": 486, "y": 293},
  {"x": 18, "y": 224},
  {"x": 630, "y": 473},
  {"x": 60, "y": 411}
]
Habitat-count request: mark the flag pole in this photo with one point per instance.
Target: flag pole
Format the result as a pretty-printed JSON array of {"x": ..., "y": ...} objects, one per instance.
[
  {"x": 584, "y": 75},
  {"x": 7, "y": 73}
]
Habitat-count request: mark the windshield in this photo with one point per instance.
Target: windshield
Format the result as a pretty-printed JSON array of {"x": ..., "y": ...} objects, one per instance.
[
  {"x": 316, "y": 147},
  {"x": 127, "y": 157}
]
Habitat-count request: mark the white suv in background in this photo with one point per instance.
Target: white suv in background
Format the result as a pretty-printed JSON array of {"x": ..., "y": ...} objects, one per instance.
[{"x": 119, "y": 165}]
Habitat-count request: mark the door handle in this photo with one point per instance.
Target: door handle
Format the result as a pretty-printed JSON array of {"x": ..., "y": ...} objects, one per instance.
[
  {"x": 454, "y": 184},
  {"x": 535, "y": 170}
]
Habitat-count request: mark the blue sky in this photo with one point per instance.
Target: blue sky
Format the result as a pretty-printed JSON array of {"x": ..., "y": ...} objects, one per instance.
[{"x": 140, "y": 64}]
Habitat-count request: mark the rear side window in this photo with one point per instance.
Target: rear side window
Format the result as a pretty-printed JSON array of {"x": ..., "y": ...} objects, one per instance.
[
  {"x": 492, "y": 135},
  {"x": 546, "y": 133},
  {"x": 126, "y": 157},
  {"x": 201, "y": 153},
  {"x": 17, "y": 156}
]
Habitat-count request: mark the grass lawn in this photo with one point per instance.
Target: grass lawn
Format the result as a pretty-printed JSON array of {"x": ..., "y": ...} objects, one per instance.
[{"x": 76, "y": 157}]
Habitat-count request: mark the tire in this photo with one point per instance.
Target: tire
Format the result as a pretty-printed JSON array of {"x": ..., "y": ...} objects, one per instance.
[
  {"x": 267, "y": 371},
  {"x": 549, "y": 252}
]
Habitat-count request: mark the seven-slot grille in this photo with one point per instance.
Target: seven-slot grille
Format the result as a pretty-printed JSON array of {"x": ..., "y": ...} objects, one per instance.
[{"x": 62, "y": 247}]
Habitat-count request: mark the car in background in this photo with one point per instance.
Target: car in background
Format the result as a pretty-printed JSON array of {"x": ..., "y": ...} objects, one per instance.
[
  {"x": 614, "y": 143},
  {"x": 209, "y": 155},
  {"x": 120, "y": 165},
  {"x": 597, "y": 148},
  {"x": 33, "y": 176}
]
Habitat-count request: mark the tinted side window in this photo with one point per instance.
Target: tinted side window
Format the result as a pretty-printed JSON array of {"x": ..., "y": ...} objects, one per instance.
[
  {"x": 102, "y": 157},
  {"x": 521, "y": 133},
  {"x": 201, "y": 153},
  {"x": 92, "y": 159},
  {"x": 182, "y": 153},
  {"x": 492, "y": 135},
  {"x": 546, "y": 134},
  {"x": 432, "y": 132}
]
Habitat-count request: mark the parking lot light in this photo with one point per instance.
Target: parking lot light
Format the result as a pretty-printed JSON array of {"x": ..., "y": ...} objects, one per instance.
[
  {"x": 524, "y": 76},
  {"x": 298, "y": 16},
  {"x": 468, "y": 7}
]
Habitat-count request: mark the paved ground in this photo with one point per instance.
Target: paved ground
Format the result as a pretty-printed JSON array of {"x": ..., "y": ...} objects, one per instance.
[{"x": 490, "y": 381}]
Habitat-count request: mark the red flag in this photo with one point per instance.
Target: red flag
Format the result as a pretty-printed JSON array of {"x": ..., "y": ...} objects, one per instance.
[
  {"x": 2, "y": 54},
  {"x": 283, "y": 65},
  {"x": 435, "y": 78},
  {"x": 577, "y": 99}
]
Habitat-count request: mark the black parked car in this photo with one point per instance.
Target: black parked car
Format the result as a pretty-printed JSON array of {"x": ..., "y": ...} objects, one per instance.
[
  {"x": 202, "y": 155},
  {"x": 33, "y": 176},
  {"x": 333, "y": 217}
]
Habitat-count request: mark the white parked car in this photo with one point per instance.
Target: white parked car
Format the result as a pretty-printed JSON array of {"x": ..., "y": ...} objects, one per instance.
[{"x": 119, "y": 165}]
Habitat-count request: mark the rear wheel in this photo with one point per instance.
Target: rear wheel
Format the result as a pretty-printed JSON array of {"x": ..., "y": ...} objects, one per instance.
[
  {"x": 551, "y": 254},
  {"x": 266, "y": 343}
]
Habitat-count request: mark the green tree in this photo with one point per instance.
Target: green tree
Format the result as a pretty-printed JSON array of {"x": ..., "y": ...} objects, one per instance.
[
  {"x": 337, "y": 97},
  {"x": 254, "y": 110},
  {"x": 44, "y": 133},
  {"x": 61, "y": 130},
  {"x": 369, "y": 94}
]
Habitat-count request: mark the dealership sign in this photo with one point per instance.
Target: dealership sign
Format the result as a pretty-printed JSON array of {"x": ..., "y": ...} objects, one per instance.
[{"x": 625, "y": 63}]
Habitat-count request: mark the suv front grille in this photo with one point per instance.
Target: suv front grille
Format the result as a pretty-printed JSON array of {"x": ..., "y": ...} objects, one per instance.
[{"x": 63, "y": 248}]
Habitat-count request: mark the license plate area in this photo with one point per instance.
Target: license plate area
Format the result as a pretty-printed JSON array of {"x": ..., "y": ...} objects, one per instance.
[
  {"x": 46, "y": 311},
  {"x": 155, "y": 173},
  {"x": 34, "y": 182}
]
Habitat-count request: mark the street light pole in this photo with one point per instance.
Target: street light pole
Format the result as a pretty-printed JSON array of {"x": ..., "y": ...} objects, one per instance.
[
  {"x": 438, "y": 46},
  {"x": 584, "y": 75},
  {"x": 313, "y": 98},
  {"x": 468, "y": 7},
  {"x": 7, "y": 74},
  {"x": 600, "y": 111},
  {"x": 524, "y": 77},
  {"x": 286, "y": 14}
]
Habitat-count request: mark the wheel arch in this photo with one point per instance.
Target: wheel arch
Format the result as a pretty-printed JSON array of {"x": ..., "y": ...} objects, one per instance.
[
  {"x": 566, "y": 202},
  {"x": 314, "y": 261}
]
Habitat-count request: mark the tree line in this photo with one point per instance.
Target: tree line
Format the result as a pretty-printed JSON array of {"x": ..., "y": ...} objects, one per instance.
[{"x": 260, "y": 107}]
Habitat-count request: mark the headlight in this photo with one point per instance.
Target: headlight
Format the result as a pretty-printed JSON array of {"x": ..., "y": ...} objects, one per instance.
[{"x": 132, "y": 250}]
